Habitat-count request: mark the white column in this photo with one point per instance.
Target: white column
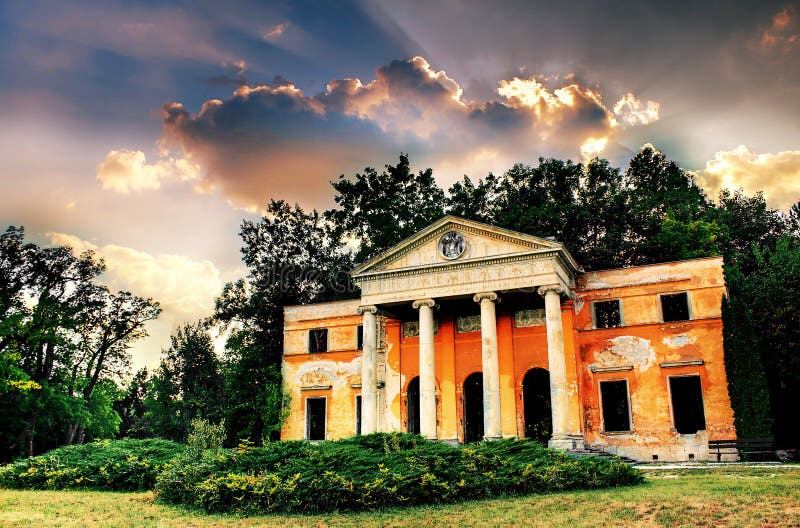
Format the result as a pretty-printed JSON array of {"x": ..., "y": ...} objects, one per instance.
[
  {"x": 369, "y": 370},
  {"x": 558, "y": 368},
  {"x": 427, "y": 371},
  {"x": 491, "y": 366}
]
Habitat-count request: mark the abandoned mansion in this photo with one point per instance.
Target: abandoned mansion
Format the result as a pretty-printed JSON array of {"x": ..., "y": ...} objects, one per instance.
[{"x": 466, "y": 331}]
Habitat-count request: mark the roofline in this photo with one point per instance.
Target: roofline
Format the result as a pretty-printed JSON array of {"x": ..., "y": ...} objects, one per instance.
[
  {"x": 712, "y": 257},
  {"x": 473, "y": 223},
  {"x": 286, "y": 307}
]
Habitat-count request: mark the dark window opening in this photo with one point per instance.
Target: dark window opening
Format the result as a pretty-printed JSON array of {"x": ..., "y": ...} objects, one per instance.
[
  {"x": 360, "y": 338},
  {"x": 607, "y": 314},
  {"x": 675, "y": 307},
  {"x": 318, "y": 340},
  {"x": 412, "y": 413},
  {"x": 616, "y": 415},
  {"x": 315, "y": 418},
  {"x": 473, "y": 407},
  {"x": 536, "y": 404},
  {"x": 358, "y": 415},
  {"x": 687, "y": 404}
]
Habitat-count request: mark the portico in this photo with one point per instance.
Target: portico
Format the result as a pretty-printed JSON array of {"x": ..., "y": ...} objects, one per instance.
[
  {"x": 455, "y": 259},
  {"x": 467, "y": 332}
]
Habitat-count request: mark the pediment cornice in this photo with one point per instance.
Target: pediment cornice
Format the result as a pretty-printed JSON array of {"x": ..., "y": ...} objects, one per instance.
[{"x": 530, "y": 247}]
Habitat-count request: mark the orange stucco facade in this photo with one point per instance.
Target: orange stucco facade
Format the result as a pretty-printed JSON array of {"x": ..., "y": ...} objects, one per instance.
[{"x": 639, "y": 349}]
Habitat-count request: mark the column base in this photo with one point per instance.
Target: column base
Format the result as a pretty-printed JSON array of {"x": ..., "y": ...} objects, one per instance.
[
  {"x": 492, "y": 438},
  {"x": 566, "y": 442}
]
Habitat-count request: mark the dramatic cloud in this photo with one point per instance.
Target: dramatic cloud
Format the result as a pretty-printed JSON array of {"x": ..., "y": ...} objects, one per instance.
[
  {"x": 782, "y": 36},
  {"x": 778, "y": 175},
  {"x": 632, "y": 112},
  {"x": 593, "y": 148},
  {"x": 184, "y": 287},
  {"x": 124, "y": 171},
  {"x": 266, "y": 139}
]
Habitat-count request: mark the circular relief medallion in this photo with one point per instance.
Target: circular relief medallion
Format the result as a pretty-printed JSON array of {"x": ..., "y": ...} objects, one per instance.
[{"x": 452, "y": 245}]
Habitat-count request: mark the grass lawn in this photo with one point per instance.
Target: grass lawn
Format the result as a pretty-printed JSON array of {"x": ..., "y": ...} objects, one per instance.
[{"x": 729, "y": 496}]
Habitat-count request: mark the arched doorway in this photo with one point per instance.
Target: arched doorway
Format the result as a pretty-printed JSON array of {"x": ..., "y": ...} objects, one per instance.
[
  {"x": 412, "y": 399},
  {"x": 473, "y": 407},
  {"x": 536, "y": 404}
]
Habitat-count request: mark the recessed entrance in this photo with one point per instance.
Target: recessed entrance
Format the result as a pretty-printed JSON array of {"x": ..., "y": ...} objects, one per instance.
[
  {"x": 473, "y": 407},
  {"x": 412, "y": 399},
  {"x": 315, "y": 418},
  {"x": 536, "y": 405}
]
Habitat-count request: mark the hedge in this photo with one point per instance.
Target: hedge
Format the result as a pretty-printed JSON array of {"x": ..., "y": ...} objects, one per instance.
[
  {"x": 119, "y": 465},
  {"x": 376, "y": 471}
]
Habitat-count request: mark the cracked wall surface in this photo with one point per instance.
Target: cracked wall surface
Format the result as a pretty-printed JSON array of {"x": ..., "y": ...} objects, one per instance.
[{"x": 645, "y": 352}]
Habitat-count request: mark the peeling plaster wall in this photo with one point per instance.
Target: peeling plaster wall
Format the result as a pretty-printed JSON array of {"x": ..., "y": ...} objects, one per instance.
[
  {"x": 642, "y": 345},
  {"x": 334, "y": 375}
]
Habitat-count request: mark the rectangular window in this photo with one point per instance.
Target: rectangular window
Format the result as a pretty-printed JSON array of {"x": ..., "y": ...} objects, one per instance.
[
  {"x": 687, "y": 404},
  {"x": 315, "y": 418},
  {"x": 358, "y": 415},
  {"x": 360, "y": 338},
  {"x": 675, "y": 307},
  {"x": 607, "y": 314},
  {"x": 318, "y": 340},
  {"x": 616, "y": 413}
]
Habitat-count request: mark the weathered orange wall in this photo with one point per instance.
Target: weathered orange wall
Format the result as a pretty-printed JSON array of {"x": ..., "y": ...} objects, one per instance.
[
  {"x": 340, "y": 368},
  {"x": 643, "y": 342}
]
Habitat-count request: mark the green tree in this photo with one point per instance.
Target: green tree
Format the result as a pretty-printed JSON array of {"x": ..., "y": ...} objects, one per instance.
[
  {"x": 291, "y": 259},
  {"x": 62, "y": 335},
  {"x": 661, "y": 197},
  {"x": 744, "y": 363},
  {"x": 189, "y": 383},
  {"x": 378, "y": 210},
  {"x": 131, "y": 407},
  {"x": 474, "y": 202},
  {"x": 771, "y": 293}
]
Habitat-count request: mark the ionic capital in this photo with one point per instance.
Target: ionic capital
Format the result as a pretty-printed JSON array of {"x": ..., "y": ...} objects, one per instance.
[
  {"x": 555, "y": 288},
  {"x": 430, "y": 303},
  {"x": 367, "y": 308},
  {"x": 492, "y": 296}
]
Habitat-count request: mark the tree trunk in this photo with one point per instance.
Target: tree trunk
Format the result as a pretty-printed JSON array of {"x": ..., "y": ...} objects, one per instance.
[
  {"x": 71, "y": 428},
  {"x": 81, "y": 435},
  {"x": 31, "y": 431}
]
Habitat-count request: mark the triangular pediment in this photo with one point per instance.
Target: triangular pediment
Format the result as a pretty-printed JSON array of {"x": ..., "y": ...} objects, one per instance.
[{"x": 471, "y": 241}]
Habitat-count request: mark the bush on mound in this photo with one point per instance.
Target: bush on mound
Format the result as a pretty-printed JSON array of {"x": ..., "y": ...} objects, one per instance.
[
  {"x": 374, "y": 471},
  {"x": 119, "y": 465}
]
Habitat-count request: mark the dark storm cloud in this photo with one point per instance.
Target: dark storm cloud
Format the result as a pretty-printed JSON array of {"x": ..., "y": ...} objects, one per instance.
[
  {"x": 716, "y": 67},
  {"x": 498, "y": 116},
  {"x": 276, "y": 140}
]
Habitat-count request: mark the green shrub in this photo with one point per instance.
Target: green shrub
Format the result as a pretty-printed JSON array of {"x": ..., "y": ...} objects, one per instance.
[
  {"x": 375, "y": 471},
  {"x": 121, "y": 465},
  {"x": 204, "y": 436}
]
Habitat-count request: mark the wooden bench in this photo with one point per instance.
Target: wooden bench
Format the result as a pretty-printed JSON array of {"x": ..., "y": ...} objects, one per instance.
[{"x": 742, "y": 445}]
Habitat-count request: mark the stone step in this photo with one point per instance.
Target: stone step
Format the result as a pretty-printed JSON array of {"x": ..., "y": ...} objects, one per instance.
[{"x": 593, "y": 451}]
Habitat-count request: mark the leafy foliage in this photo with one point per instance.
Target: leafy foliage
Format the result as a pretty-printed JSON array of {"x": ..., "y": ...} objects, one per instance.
[
  {"x": 375, "y": 471},
  {"x": 187, "y": 385},
  {"x": 64, "y": 339},
  {"x": 120, "y": 465},
  {"x": 381, "y": 209}
]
